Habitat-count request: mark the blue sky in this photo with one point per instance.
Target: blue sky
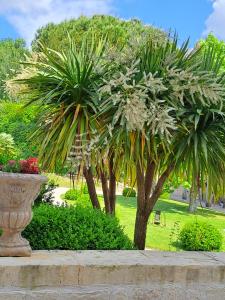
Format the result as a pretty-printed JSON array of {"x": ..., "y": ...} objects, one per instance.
[{"x": 194, "y": 18}]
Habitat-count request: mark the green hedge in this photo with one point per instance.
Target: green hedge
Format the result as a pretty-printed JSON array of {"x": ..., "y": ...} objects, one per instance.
[
  {"x": 78, "y": 196},
  {"x": 74, "y": 228},
  {"x": 200, "y": 236},
  {"x": 129, "y": 192}
]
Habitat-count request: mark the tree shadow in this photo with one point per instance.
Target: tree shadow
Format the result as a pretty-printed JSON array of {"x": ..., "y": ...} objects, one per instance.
[{"x": 170, "y": 207}]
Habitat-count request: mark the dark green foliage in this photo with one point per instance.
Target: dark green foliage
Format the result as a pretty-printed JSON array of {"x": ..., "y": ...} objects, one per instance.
[
  {"x": 72, "y": 194},
  {"x": 11, "y": 53},
  {"x": 129, "y": 192},
  {"x": 74, "y": 228},
  {"x": 79, "y": 196},
  {"x": 20, "y": 122},
  {"x": 84, "y": 189},
  {"x": 118, "y": 31},
  {"x": 200, "y": 236},
  {"x": 46, "y": 193}
]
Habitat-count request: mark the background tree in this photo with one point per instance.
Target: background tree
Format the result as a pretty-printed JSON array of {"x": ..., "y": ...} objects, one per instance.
[
  {"x": 218, "y": 46},
  {"x": 11, "y": 53},
  {"x": 20, "y": 123},
  {"x": 119, "y": 32},
  {"x": 7, "y": 148}
]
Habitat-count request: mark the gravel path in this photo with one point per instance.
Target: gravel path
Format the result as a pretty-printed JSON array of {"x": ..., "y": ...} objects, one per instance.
[
  {"x": 57, "y": 195},
  {"x": 62, "y": 190}
]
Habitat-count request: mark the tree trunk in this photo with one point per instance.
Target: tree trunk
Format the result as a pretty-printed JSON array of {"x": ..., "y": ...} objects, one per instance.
[
  {"x": 192, "y": 204},
  {"x": 112, "y": 186},
  {"x": 141, "y": 224},
  {"x": 146, "y": 199},
  {"x": 88, "y": 175},
  {"x": 105, "y": 190}
]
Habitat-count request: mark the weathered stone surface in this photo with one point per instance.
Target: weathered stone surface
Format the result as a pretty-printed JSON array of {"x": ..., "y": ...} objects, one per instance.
[
  {"x": 113, "y": 275},
  {"x": 17, "y": 193}
]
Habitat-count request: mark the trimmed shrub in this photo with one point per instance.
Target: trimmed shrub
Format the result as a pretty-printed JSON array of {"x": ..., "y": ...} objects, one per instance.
[
  {"x": 74, "y": 228},
  {"x": 84, "y": 189},
  {"x": 200, "y": 236},
  {"x": 72, "y": 194},
  {"x": 129, "y": 192},
  {"x": 78, "y": 197}
]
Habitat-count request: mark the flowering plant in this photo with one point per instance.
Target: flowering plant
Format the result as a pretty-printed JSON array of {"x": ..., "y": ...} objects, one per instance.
[{"x": 28, "y": 166}]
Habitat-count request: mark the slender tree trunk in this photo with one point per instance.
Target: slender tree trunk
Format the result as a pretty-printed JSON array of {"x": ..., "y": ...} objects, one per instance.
[
  {"x": 146, "y": 199},
  {"x": 192, "y": 202},
  {"x": 88, "y": 175},
  {"x": 112, "y": 186},
  {"x": 141, "y": 221},
  {"x": 105, "y": 190},
  {"x": 141, "y": 224}
]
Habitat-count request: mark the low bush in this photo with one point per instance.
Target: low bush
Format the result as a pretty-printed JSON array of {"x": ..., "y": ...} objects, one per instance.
[
  {"x": 72, "y": 194},
  {"x": 74, "y": 228},
  {"x": 84, "y": 189},
  {"x": 200, "y": 236},
  {"x": 78, "y": 197},
  {"x": 129, "y": 192}
]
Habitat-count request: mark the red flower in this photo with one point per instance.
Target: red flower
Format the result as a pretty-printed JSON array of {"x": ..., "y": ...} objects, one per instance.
[{"x": 29, "y": 166}]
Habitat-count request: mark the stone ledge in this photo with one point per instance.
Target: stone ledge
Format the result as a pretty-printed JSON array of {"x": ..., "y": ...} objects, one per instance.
[{"x": 113, "y": 275}]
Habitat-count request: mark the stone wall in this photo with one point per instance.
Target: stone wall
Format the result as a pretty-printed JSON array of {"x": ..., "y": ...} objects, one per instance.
[{"x": 113, "y": 275}]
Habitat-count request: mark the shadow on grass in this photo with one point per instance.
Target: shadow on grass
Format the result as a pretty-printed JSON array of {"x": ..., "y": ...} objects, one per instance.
[{"x": 170, "y": 207}]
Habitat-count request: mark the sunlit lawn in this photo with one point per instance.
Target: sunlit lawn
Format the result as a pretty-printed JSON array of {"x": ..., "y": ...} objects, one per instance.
[
  {"x": 174, "y": 215},
  {"x": 159, "y": 237}
]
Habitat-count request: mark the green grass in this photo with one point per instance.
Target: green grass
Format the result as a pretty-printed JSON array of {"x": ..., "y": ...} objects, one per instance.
[
  {"x": 159, "y": 237},
  {"x": 174, "y": 212}
]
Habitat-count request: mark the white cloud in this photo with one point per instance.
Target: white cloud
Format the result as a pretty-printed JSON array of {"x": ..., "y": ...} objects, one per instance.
[
  {"x": 216, "y": 21},
  {"x": 28, "y": 15}
]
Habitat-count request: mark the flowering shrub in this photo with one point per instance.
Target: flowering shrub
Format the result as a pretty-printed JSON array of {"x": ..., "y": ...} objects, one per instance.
[{"x": 28, "y": 166}]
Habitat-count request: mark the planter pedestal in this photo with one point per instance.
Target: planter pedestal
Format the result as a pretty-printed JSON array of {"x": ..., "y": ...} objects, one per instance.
[{"x": 17, "y": 194}]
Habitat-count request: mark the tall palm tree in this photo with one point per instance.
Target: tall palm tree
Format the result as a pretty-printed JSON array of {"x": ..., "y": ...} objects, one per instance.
[
  {"x": 65, "y": 83},
  {"x": 166, "y": 114}
]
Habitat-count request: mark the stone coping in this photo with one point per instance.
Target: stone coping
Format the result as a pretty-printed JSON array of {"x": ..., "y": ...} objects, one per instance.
[
  {"x": 113, "y": 275},
  {"x": 60, "y": 268}
]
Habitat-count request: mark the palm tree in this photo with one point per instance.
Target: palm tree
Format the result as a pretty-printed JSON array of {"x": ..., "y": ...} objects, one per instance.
[
  {"x": 65, "y": 83},
  {"x": 166, "y": 115}
]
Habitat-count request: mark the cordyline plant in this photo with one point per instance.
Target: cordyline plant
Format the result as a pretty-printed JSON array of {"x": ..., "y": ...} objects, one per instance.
[
  {"x": 65, "y": 83},
  {"x": 166, "y": 115}
]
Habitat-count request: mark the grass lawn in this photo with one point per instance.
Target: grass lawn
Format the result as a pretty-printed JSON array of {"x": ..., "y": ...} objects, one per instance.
[
  {"x": 159, "y": 237},
  {"x": 176, "y": 215}
]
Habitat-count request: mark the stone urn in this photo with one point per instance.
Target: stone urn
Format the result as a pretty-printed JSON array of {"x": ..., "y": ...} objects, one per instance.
[{"x": 17, "y": 194}]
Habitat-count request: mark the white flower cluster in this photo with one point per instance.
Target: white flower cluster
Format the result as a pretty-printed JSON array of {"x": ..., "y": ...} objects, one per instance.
[
  {"x": 136, "y": 102},
  {"x": 186, "y": 82}
]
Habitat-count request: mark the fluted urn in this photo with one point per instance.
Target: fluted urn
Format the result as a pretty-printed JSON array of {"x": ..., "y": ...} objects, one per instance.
[{"x": 17, "y": 194}]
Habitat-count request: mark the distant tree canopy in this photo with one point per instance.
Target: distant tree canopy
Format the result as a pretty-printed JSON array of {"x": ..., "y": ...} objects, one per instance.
[
  {"x": 11, "y": 53},
  {"x": 118, "y": 31},
  {"x": 218, "y": 45}
]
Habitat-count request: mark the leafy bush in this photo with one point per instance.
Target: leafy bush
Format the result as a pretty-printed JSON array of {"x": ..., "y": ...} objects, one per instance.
[
  {"x": 84, "y": 189},
  {"x": 72, "y": 194},
  {"x": 74, "y": 228},
  {"x": 7, "y": 147},
  {"x": 129, "y": 192},
  {"x": 20, "y": 122},
  {"x": 46, "y": 193},
  {"x": 200, "y": 236},
  {"x": 78, "y": 196}
]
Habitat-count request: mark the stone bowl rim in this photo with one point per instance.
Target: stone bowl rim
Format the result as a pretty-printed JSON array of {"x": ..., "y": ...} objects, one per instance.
[{"x": 30, "y": 177}]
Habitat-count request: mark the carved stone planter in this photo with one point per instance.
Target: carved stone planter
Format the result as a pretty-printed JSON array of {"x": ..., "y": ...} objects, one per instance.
[{"x": 17, "y": 194}]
